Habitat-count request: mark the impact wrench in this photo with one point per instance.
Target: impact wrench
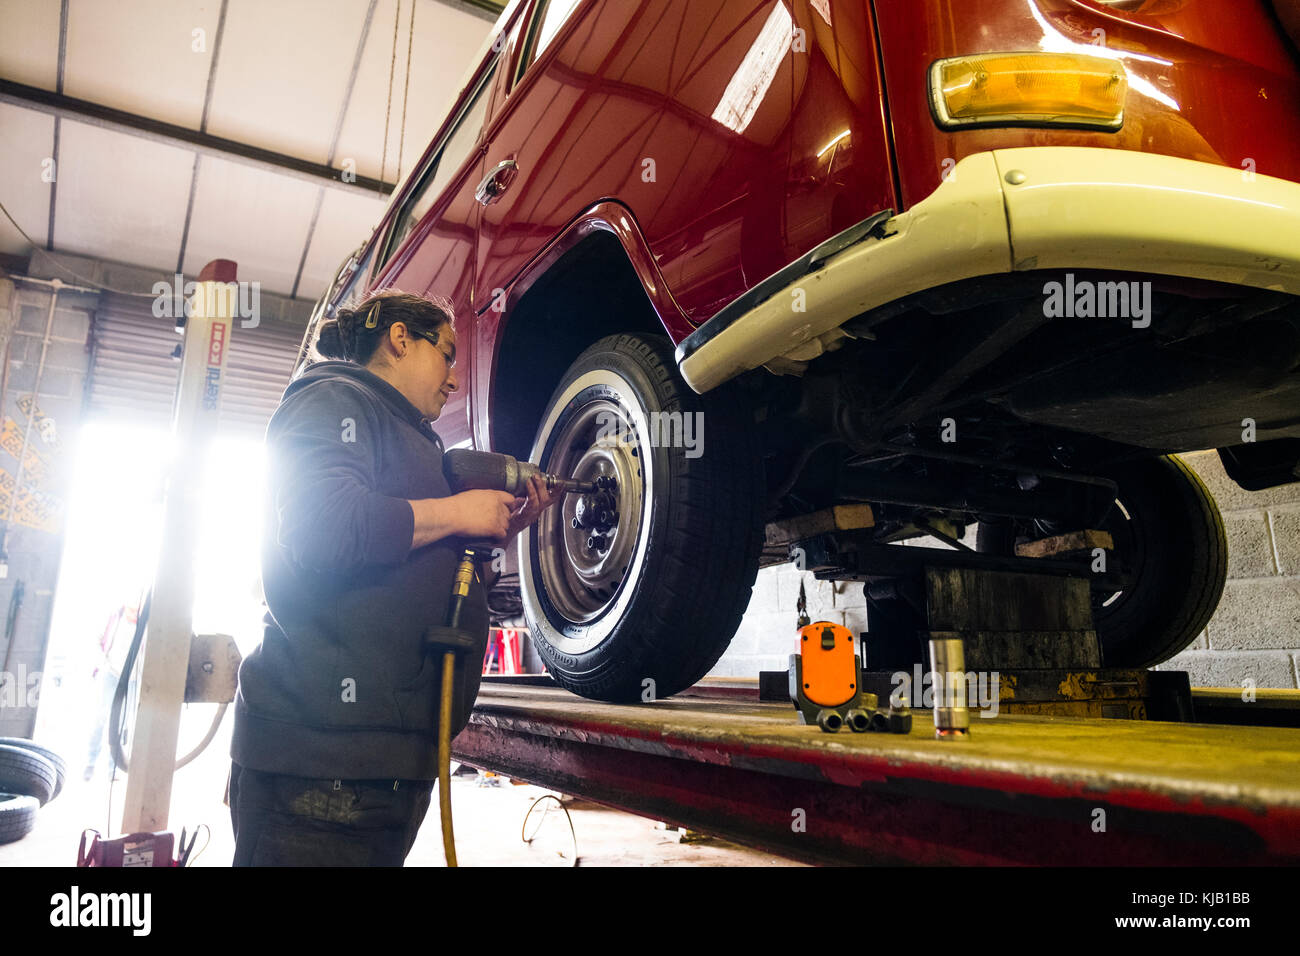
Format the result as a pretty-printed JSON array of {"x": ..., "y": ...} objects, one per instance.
[{"x": 467, "y": 469}]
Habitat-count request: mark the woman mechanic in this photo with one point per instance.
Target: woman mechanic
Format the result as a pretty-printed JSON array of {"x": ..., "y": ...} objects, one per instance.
[{"x": 333, "y": 753}]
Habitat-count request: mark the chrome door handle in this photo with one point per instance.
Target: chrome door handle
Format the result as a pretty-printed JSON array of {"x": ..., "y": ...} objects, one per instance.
[{"x": 496, "y": 182}]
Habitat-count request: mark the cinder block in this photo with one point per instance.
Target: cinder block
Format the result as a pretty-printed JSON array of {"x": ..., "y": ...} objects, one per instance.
[
  {"x": 820, "y": 595},
  {"x": 741, "y": 665},
  {"x": 64, "y": 355},
  {"x": 54, "y": 381},
  {"x": 787, "y": 583},
  {"x": 71, "y": 324},
  {"x": 766, "y": 594},
  {"x": 23, "y": 349},
  {"x": 747, "y": 666},
  {"x": 1268, "y": 669},
  {"x": 1286, "y": 538},
  {"x": 1257, "y": 614},
  {"x": 22, "y": 375},
  {"x": 723, "y": 668},
  {"x": 31, "y": 318},
  {"x": 855, "y": 619},
  {"x": 64, "y": 411},
  {"x": 75, "y": 389},
  {"x": 1228, "y": 494},
  {"x": 745, "y": 640},
  {"x": 769, "y": 632},
  {"x": 1250, "y": 551},
  {"x": 849, "y": 594}
]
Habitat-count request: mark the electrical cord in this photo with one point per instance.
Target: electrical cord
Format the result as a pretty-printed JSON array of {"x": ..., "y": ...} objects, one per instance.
[
  {"x": 119, "y": 700},
  {"x": 189, "y": 860},
  {"x": 36, "y": 247},
  {"x": 207, "y": 738},
  {"x": 523, "y": 832},
  {"x": 11, "y": 619},
  {"x": 124, "y": 683}
]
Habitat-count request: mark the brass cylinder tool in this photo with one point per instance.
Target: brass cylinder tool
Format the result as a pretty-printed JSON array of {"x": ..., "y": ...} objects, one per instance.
[{"x": 948, "y": 665}]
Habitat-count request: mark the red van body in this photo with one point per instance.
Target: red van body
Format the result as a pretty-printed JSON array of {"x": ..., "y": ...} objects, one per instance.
[{"x": 663, "y": 168}]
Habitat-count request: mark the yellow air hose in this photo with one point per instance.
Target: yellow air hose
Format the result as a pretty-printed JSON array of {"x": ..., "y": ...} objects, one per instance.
[
  {"x": 444, "y": 756},
  {"x": 459, "y": 592}
]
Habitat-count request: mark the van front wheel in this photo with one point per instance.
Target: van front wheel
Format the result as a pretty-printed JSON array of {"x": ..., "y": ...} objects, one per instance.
[{"x": 634, "y": 591}]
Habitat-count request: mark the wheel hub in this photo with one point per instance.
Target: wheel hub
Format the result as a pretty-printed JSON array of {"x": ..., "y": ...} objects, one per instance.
[{"x": 588, "y": 546}]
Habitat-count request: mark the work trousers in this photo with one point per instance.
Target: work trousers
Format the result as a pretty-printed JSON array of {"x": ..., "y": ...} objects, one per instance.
[{"x": 295, "y": 821}]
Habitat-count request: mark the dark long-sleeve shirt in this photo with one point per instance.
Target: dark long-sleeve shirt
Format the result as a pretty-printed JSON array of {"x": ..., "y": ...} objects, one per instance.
[{"x": 341, "y": 685}]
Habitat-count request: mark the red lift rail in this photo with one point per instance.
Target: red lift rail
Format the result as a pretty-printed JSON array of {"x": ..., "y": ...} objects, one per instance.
[{"x": 1021, "y": 790}]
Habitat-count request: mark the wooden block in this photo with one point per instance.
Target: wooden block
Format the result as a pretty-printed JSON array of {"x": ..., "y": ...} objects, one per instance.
[
  {"x": 962, "y": 599},
  {"x": 1066, "y": 544},
  {"x": 802, "y": 527},
  {"x": 1039, "y": 649}
]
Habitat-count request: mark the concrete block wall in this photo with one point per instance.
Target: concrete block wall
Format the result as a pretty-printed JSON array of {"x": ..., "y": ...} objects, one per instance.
[
  {"x": 1255, "y": 634},
  {"x": 766, "y": 637}
]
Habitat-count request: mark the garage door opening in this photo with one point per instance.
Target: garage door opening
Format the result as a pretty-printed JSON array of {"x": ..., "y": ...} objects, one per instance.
[{"x": 110, "y": 554}]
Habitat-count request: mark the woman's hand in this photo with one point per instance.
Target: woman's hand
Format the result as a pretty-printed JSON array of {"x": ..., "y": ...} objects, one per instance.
[
  {"x": 479, "y": 514},
  {"x": 527, "y": 509},
  {"x": 485, "y": 514}
]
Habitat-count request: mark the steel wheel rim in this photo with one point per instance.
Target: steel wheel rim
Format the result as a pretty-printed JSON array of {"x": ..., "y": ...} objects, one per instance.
[
  {"x": 582, "y": 581},
  {"x": 636, "y": 499}
]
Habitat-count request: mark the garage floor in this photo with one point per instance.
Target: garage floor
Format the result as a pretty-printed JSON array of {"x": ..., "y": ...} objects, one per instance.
[{"x": 488, "y": 823}]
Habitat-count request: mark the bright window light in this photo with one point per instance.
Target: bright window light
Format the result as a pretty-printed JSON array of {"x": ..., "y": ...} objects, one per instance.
[{"x": 113, "y": 530}]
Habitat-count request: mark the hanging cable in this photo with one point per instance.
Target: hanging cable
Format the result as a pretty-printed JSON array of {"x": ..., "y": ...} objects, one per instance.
[
  {"x": 124, "y": 683},
  {"x": 11, "y": 619},
  {"x": 388, "y": 110},
  {"x": 119, "y": 700},
  {"x": 102, "y": 287},
  {"x": 406, "y": 88}
]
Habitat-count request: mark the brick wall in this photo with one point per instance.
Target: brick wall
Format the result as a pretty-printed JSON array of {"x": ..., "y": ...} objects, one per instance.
[{"x": 1254, "y": 634}]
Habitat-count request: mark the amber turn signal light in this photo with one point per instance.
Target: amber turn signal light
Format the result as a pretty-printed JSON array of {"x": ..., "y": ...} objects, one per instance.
[{"x": 1028, "y": 89}]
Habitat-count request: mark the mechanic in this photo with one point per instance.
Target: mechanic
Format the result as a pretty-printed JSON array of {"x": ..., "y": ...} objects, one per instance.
[{"x": 333, "y": 752}]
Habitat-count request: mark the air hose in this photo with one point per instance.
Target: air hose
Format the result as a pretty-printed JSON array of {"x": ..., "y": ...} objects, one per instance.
[
  {"x": 123, "y": 686},
  {"x": 451, "y": 640},
  {"x": 444, "y": 756}
]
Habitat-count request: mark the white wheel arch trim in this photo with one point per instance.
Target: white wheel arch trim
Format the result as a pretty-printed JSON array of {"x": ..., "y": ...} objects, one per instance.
[{"x": 1012, "y": 210}]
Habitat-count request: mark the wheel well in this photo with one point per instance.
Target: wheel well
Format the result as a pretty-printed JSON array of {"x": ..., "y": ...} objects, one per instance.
[{"x": 589, "y": 293}]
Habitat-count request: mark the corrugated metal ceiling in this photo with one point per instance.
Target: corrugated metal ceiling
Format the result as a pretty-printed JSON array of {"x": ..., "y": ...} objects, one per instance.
[{"x": 305, "y": 78}]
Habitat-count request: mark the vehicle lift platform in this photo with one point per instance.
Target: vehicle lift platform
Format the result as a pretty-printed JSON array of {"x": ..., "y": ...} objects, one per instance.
[
  {"x": 1022, "y": 789},
  {"x": 1079, "y": 764}
]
